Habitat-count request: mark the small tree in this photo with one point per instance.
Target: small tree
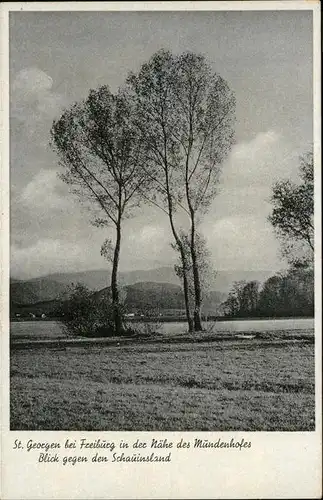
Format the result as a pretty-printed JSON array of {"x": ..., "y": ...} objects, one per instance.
[
  {"x": 243, "y": 299},
  {"x": 250, "y": 298},
  {"x": 230, "y": 306},
  {"x": 206, "y": 271},
  {"x": 293, "y": 213},
  {"x": 103, "y": 157},
  {"x": 83, "y": 315}
]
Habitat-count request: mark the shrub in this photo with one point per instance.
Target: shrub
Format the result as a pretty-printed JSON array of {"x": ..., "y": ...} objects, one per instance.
[{"x": 84, "y": 315}]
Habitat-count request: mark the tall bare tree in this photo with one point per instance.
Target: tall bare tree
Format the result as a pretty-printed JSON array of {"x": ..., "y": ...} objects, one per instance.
[
  {"x": 152, "y": 92},
  {"x": 103, "y": 157},
  {"x": 186, "y": 113}
]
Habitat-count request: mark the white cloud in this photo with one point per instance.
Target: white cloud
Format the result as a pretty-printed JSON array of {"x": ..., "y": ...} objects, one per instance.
[
  {"x": 44, "y": 193},
  {"x": 259, "y": 162},
  {"x": 237, "y": 230},
  {"x": 243, "y": 242},
  {"x": 44, "y": 209},
  {"x": 146, "y": 243},
  {"x": 33, "y": 103},
  {"x": 148, "y": 235},
  {"x": 51, "y": 241},
  {"x": 54, "y": 255},
  {"x": 32, "y": 80}
]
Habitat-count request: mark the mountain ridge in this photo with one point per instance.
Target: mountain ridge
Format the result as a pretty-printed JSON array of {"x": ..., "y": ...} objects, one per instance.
[
  {"x": 39, "y": 290},
  {"x": 161, "y": 296},
  {"x": 143, "y": 297},
  {"x": 97, "y": 279},
  {"x": 54, "y": 286}
]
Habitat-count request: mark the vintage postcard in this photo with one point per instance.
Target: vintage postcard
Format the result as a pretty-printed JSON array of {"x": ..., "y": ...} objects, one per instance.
[{"x": 161, "y": 250}]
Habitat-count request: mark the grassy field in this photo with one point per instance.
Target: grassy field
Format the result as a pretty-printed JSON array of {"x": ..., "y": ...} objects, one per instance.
[{"x": 246, "y": 385}]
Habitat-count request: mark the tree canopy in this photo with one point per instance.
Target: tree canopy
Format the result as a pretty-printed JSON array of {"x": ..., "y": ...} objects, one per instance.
[
  {"x": 103, "y": 155},
  {"x": 293, "y": 212},
  {"x": 186, "y": 113}
]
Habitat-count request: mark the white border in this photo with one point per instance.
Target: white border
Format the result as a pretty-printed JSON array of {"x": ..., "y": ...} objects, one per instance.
[
  {"x": 165, "y": 6},
  {"x": 281, "y": 465}
]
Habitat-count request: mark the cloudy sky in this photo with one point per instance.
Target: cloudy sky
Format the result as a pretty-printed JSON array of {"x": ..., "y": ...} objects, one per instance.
[{"x": 56, "y": 57}]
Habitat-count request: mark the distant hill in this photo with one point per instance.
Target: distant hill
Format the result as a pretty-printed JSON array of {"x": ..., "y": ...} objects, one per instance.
[
  {"x": 38, "y": 290},
  {"x": 95, "y": 280},
  {"x": 150, "y": 295},
  {"x": 155, "y": 283},
  {"x": 139, "y": 297},
  {"x": 159, "y": 275},
  {"x": 100, "y": 278},
  {"x": 161, "y": 296}
]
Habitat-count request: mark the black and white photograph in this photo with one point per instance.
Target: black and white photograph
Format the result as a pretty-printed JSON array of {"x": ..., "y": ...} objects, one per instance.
[
  {"x": 163, "y": 195},
  {"x": 162, "y": 231}
]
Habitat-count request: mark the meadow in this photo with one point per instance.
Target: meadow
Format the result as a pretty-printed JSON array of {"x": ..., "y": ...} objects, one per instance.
[{"x": 193, "y": 384}]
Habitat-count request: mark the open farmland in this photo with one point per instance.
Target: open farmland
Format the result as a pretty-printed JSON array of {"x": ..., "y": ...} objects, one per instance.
[{"x": 248, "y": 385}]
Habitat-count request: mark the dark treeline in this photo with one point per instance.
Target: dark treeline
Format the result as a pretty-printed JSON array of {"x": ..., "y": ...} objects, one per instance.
[{"x": 286, "y": 294}]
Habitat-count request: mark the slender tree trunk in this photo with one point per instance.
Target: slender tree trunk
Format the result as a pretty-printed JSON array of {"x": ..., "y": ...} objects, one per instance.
[
  {"x": 184, "y": 266},
  {"x": 185, "y": 280},
  {"x": 196, "y": 279},
  {"x": 117, "y": 318},
  {"x": 195, "y": 268},
  {"x": 179, "y": 244},
  {"x": 186, "y": 292}
]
